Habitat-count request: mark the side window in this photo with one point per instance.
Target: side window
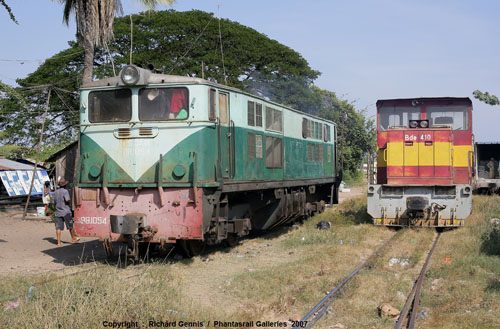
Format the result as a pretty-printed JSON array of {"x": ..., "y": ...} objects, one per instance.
[
  {"x": 274, "y": 152},
  {"x": 327, "y": 133},
  {"x": 250, "y": 113},
  {"x": 258, "y": 115},
  {"x": 258, "y": 146},
  {"x": 319, "y": 130},
  {"x": 305, "y": 128},
  {"x": 310, "y": 152},
  {"x": 223, "y": 108},
  {"x": 254, "y": 114},
  {"x": 211, "y": 105},
  {"x": 314, "y": 152},
  {"x": 319, "y": 153},
  {"x": 251, "y": 146},
  {"x": 274, "y": 120}
]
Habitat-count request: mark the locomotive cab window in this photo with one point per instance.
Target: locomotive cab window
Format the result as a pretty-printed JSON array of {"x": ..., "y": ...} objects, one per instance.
[
  {"x": 211, "y": 105},
  {"x": 397, "y": 116},
  {"x": 224, "y": 108},
  {"x": 454, "y": 117},
  {"x": 163, "y": 104},
  {"x": 110, "y": 105}
]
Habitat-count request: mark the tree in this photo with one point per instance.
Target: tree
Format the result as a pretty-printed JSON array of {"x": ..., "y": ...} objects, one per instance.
[
  {"x": 94, "y": 25},
  {"x": 21, "y": 107},
  {"x": 486, "y": 97},
  {"x": 186, "y": 43},
  {"x": 355, "y": 134},
  {"x": 9, "y": 11},
  {"x": 162, "y": 38}
]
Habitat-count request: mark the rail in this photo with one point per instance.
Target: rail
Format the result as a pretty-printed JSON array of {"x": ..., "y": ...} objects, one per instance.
[
  {"x": 413, "y": 299},
  {"x": 320, "y": 309}
]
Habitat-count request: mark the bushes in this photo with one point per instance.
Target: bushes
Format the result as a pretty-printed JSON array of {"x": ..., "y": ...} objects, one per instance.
[{"x": 490, "y": 241}]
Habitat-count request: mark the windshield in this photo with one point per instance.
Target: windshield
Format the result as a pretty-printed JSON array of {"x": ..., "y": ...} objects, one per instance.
[
  {"x": 397, "y": 116},
  {"x": 110, "y": 105},
  {"x": 449, "y": 116},
  {"x": 163, "y": 104}
]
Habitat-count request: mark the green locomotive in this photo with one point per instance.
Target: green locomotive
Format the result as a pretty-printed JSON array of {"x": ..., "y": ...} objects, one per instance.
[{"x": 179, "y": 160}]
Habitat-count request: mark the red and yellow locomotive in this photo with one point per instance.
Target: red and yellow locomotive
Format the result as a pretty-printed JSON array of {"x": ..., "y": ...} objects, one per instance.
[{"x": 424, "y": 162}]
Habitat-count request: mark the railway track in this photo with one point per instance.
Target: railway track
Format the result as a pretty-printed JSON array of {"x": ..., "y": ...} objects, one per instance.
[
  {"x": 409, "y": 312},
  {"x": 410, "y": 308},
  {"x": 320, "y": 309}
]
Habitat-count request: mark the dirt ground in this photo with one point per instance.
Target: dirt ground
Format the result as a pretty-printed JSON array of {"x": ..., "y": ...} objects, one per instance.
[{"x": 29, "y": 246}]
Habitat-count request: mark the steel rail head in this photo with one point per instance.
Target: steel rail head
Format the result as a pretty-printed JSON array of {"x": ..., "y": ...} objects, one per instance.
[
  {"x": 413, "y": 299},
  {"x": 320, "y": 309}
]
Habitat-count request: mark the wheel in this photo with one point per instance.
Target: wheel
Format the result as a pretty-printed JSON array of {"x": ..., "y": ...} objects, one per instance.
[
  {"x": 232, "y": 240},
  {"x": 192, "y": 248}
]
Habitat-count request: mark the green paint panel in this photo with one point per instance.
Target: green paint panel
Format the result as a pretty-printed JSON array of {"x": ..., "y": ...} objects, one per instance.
[{"x": 197, "y": 157}]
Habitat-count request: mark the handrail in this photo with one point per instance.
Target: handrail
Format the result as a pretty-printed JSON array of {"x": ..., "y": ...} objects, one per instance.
[{"x": 232, "y": 148}]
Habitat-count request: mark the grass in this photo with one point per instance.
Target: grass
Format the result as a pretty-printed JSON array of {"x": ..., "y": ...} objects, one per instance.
[
  {"x": 469, "y": 296},
  {"x": 278, "y": 277}
]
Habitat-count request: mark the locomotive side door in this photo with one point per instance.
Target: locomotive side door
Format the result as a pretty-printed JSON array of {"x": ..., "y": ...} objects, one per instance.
[{"x": 226, "y": 136}]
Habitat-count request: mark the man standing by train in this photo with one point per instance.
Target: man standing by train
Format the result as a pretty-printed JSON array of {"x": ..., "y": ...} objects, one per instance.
[
  {"x": 491, "y": 168},
  {"x": 63, "y": 212}
]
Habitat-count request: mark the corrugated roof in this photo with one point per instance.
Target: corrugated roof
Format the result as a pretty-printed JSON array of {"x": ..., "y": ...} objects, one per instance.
[{"x": 6, "y": 164}]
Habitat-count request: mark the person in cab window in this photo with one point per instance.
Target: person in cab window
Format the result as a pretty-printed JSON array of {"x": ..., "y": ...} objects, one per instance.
[{"x": 178, "y": 105}]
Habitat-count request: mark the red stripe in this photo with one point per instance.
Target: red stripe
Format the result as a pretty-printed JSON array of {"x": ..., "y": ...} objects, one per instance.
[
  {"x": 424, "y": 174},
  {"x": 419, "y": 171},
  {"x": 382, "y": 139},
  {"x": 419, "y": 181},
  {"x": 462, "y": 137},
  {"x": 459, "y": 137}
]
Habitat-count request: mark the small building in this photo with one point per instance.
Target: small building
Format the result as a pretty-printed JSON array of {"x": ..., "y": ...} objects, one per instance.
[
  {"x": 16, "y": 178},
  {"x": 65, "y": 162}
]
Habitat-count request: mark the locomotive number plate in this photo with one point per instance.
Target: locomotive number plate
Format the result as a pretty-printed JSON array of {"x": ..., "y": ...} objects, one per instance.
[
  {"x": 417, "y": 137},
  {"x": 92, "y": 220}
]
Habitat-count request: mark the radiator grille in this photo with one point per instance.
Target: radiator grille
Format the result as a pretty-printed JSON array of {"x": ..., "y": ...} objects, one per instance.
[
  {"x": 123, "y": 132},
  {"x": 145, "y": 131}
]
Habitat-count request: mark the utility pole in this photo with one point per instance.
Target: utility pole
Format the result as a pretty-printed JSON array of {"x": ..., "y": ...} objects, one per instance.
[{"x": 38, "y": 152}]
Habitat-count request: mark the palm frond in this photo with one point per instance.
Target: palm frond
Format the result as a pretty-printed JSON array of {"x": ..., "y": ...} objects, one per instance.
[
  {"x": 9, "y": 11},
  {"x": 151, "y": 4}
]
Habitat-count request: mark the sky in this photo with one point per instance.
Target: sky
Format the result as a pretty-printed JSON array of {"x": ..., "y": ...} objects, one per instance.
[{"x": 365, "y": 49}]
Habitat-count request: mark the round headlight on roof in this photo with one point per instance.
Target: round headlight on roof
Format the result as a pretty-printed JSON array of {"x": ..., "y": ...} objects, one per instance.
[{"x": 130, "y": 75}]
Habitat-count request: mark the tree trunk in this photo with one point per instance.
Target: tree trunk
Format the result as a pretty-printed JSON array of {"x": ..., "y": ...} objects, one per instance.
[{"x": 88, "y": 59}]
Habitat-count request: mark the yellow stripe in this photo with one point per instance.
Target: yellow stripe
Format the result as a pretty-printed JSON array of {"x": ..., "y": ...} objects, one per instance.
[{"x": 419, "y": 154}]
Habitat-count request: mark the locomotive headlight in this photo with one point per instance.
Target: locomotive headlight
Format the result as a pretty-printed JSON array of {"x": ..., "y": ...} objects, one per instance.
[
  {"x": 413, "y": 123},
  {"x": 424, "y": 123},
  {"x": 130, "y": 75}
]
